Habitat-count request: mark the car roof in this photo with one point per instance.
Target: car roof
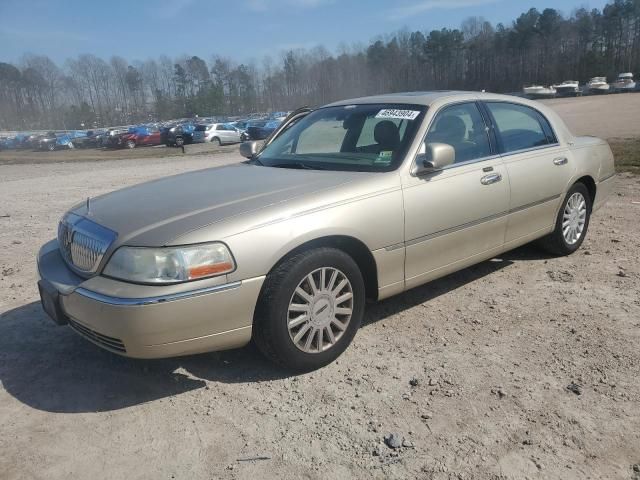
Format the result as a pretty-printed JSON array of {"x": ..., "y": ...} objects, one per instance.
[{"x": 423, "y": 98}]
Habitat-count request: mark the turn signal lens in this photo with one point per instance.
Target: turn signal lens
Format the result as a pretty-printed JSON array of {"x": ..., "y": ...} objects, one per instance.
[{"x": 210, "y": 270}]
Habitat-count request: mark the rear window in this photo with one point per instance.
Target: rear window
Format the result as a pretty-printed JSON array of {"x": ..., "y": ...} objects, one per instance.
[{"x": 519, "y": 126}]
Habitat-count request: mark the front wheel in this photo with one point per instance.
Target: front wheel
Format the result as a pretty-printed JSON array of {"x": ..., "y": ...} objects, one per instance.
[
  {"x": 571, "y": 224},
  {"x": 130, "y": 144},
  {"x": 179, "y": 141},
  {"x": 216, "y": 141},
  {"x": 310, "y": 309}
]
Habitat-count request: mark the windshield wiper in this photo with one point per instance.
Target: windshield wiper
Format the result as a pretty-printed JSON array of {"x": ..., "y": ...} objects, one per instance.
[{"x": 296, "y": 165}]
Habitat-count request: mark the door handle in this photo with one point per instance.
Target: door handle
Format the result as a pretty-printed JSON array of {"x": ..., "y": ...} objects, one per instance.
[
  {"x": 491, "y": 178},
  {"x": 560, "y": 161}
]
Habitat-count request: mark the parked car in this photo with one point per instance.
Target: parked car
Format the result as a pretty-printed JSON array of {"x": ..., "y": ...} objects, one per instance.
[
  {"x": 8, "y": 143},
  {"x": 261, "y": 129},
  {"x": 54, "y": 141},
  {"x": 219, "y": 133},
  {"x": 361, "y": 199},
  {"x": 113, "y": 137},
  {"x": 140, "y": 136},
  {"x": 31, "y": 141},
  {"x": 164, "y": 133},
  {"x": 179, "y": 135},
  {"x": 199, "y": 133},
  {"x": 92, "y": 139},
  {"x": 241, "y": 126},
  {"x": 16, "y": 142}
]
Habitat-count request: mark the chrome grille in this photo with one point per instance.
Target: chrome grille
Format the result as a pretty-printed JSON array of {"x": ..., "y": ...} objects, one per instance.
[
  {"x": 85, "y": 251},
  {"x": 65, "y": 232},
  {"x": 83, "y": 243}
]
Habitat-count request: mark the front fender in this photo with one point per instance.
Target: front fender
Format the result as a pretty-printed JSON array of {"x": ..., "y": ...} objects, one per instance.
[{"x": 376, "y": 222}]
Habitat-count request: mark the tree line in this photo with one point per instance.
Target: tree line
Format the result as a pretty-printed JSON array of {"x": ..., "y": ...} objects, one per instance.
[{"x": 537, "y": 47}]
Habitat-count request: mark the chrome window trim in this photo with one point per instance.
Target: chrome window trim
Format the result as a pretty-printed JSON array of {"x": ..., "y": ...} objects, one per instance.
[
  {"x": 471, "y": 162},
  {"x": 128, "y": 302},
  {"x": 497, "y": 132},
  {"x": 527, "y": 150}
]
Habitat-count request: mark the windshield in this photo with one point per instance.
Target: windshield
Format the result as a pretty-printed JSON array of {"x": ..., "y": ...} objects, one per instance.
[{"x": 370, "y": 138}]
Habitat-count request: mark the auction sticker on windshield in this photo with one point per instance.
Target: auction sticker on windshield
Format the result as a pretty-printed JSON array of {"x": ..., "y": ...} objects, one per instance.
[{"x": 398, "y": 114}]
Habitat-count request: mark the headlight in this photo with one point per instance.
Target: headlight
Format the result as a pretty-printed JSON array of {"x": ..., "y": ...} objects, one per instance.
[{"x": 171, "y": 264}]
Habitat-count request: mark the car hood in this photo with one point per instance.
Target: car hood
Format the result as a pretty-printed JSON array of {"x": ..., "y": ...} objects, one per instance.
[{"x": 157, "y": 212}]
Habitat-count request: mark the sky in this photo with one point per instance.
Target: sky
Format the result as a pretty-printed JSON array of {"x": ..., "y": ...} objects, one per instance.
[{"x": 244, "y": 30}]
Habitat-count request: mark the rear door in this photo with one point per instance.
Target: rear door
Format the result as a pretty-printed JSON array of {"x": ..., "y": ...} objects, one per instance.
[{"x": 539, "y": 167}]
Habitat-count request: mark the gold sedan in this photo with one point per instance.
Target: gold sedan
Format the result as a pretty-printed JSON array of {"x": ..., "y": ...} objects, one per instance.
[{"x": 361, "y": 199}]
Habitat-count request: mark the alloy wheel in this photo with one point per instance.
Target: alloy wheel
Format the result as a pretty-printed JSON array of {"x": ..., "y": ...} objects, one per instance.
[
  {"x": 574, "y": 218},
  {"x": 320, "y": 310}
]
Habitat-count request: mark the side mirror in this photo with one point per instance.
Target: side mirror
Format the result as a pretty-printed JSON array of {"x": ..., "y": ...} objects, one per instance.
[
  {"x": 248, "y": 149},
  {"x": 434, "y": 157}
]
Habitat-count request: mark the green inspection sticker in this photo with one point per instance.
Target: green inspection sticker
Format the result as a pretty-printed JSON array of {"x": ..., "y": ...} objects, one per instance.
[{"x": 384, "y": 157}]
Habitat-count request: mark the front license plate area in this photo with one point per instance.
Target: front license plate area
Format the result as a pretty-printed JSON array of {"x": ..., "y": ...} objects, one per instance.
[{"x": 50, "y": 300}]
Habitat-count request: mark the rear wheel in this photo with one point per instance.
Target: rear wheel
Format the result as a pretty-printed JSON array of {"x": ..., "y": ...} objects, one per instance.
[
  {"x": 216, "y": 141},
  {"x": 131, "y": 144},
  {"x": 51, "y": 147},
  {"x": 571, "y": 224},
  {"x": 179, "y": 141},
  {"x": 310, "y": 309}
]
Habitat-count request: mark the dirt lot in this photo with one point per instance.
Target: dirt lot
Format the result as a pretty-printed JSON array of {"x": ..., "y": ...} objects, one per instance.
[
  {"x": 10, "y": 157},
  {"x": 609, "y": 116},
  {"x": 471, "y": 371}
]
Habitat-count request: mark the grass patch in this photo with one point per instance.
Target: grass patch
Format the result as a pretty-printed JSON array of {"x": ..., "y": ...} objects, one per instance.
[{"x": 627, "y": 154}]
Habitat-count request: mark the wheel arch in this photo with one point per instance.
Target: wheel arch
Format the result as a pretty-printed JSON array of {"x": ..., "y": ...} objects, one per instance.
[
  {"x": 353, "y": 247},
  {"x": 590, "y": 183}
]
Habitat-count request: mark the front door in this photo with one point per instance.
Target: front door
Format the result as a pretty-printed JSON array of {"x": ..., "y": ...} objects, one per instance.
[{"x": 455, "y": 216}]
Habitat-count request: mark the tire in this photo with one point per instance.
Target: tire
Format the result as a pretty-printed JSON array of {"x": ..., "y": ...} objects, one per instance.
[
  {"x": 179, "y": 142},
  {"x": 51, "y": 147},
  {"x": 271, "y": 332},
  {"x": 216, "y": 141},
  {"x": 557, "y": 243},
  {"x": 130, "y": 144}
]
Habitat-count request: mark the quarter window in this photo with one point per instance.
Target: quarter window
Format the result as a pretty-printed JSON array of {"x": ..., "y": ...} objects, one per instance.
[
  {"x": 518, "y": 126},
  {"x": 462, "y": 127}
]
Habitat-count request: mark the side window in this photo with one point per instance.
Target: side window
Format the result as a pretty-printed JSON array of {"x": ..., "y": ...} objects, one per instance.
[
  {"x": 462, "y": 127},
  {"x": 548, "y": 131},
  {"x": 518, "y": 126},
  {"x": 220, "y": 127}
]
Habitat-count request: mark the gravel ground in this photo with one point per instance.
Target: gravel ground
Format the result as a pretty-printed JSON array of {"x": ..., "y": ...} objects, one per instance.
[
  {"x": 525, "y": 366},
  {"x": 605, "y": 116}
]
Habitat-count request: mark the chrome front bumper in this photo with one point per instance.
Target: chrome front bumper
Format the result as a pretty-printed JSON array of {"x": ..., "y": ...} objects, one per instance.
[{"x": 152, "y": 322}]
